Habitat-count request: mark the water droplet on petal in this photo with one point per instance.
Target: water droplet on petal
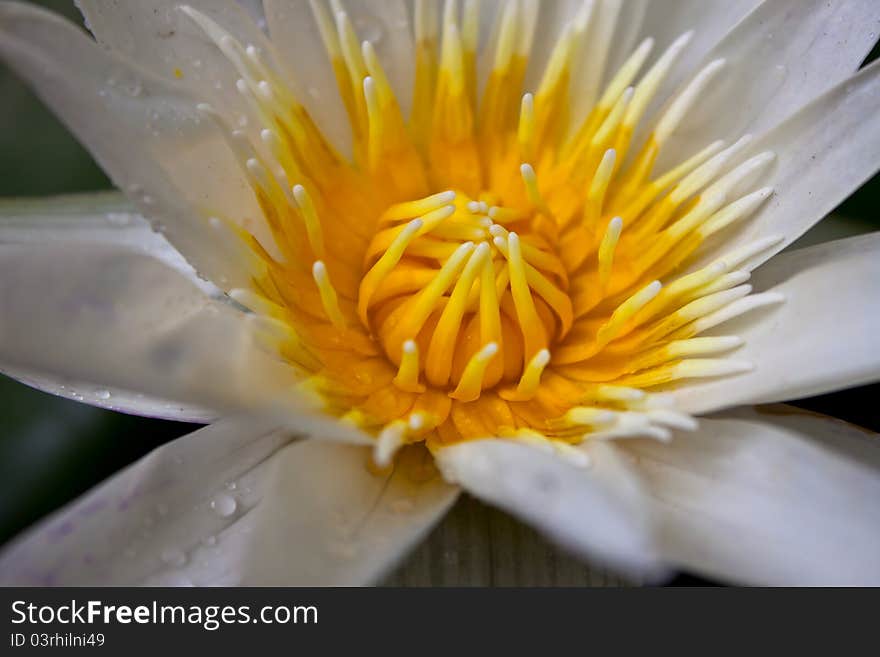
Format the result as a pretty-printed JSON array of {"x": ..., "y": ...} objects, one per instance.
[
  {"x": 103, "y": 394},
  {"x": 224, "y": 505}
]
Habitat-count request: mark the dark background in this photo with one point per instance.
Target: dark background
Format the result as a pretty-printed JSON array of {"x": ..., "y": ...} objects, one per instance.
[{"x": 52, "y": 449}]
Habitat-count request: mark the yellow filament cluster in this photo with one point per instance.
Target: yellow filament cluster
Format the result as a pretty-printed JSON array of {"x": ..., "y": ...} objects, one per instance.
[{"x": 478, "y": 268}]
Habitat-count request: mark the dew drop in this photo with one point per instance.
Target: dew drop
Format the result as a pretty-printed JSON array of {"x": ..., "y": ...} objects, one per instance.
[
  {"x": 224, "y": 505},
  {"x": 103, "y": 394}
]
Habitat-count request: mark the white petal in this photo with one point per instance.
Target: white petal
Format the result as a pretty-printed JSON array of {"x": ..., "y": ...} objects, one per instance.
[
  {"x": 145, "y": 132},
  {"x": 92, "y": 286},
  {"x": 111, "y": 398},
  {"x": 98, "y": 219},
  {"x": 824, "y": 336},
  {"x": 330, "y": 521},
  {"x": 781, "y": 56},
  {"x": 255, "y": 10},
  {"x": 666, "y": 21},
  {"x": 297, "y": 39},
  {"x": 105, "y": 218},
  {"x": 599, "y": 512},
  {"x": 214, "y": 508},
  {"x": 769, "y": 496},
  {"x": 105, "y": 315},
  {"x": 178, "y": 516},
  {"x": 162, "y": 40},
  {"x": 823, "y": 153}
]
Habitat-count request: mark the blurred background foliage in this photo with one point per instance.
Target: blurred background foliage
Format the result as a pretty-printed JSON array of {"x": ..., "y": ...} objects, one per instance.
[{"x": 52, "y": 449}]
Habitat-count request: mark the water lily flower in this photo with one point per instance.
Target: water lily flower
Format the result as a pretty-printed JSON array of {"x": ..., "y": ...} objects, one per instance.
[{"x": 394, "y": 250}]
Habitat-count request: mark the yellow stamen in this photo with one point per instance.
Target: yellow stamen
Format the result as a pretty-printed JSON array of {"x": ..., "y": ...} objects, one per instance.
[
  {"x": 530, "y": 324},
  {"x": 423, "y": 304},
  {"x": 328, "y": 295},
  {"x": 407, "y": 378},
  {"x": 526, "y": 131},
  {"x": 598, "y": 187},
  {"x": 531, "y": 183},
  {"x": 471, "y": 382},
  {"x": 439, "y": 364},
  {"x": 384, "y": 265},
  {"x": 626, "y": 310},
  {"x": 606, "y": 249},
  {"x": 310, "y": 219},
  {"x": 530, "y": 380}
]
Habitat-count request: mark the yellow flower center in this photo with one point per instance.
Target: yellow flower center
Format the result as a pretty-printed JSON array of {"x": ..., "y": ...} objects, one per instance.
[
  {"x": 480, "y": 269},
  {"x": 436, "y": 295}
]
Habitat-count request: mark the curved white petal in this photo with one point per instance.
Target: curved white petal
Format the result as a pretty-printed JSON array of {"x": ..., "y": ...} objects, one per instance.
[
  {"x": 599, "y": 512},
  {"x": 176, "y": 517},
  {"x": 331, "y": 521},
  {"x": 769, "y": 496},
  {"x": 96, "y": 219},
  {"x": 145, "y": 132},
  {"x": 104, "y": 315},
  {"x": 255, "y": 10},
  {"x": 666, "y": 21},
  {"x": 824, "y": 336},
  {"x": 780, "y": 57},
  {"x": 166, "y": 42},
  {"x": 103, "y": 218},
  {"x": 214, "y": 508},
  {"x": 96, "y": 307},
  {"x": 110, "y": 397},
  {"x": 823, "y": 153}
]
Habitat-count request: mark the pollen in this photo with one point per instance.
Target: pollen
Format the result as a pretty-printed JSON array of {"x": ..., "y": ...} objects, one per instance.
[{"x": 491, "y": 264}]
